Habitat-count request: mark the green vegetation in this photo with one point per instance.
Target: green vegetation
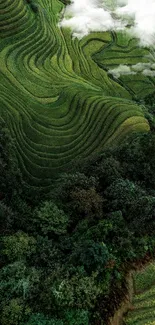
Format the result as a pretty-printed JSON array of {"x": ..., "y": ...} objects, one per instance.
[
  {"x": 144, "y": 301},
  {"x": 57, "y": 98},
  {"x": 77, "y": 168},
  {"x": 65, "y": 255}
]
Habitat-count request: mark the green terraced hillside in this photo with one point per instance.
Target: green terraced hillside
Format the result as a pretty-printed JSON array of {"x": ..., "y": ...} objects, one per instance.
[
  {"x": 144, "y": 300},
  {"x": 56, "y": 96}
]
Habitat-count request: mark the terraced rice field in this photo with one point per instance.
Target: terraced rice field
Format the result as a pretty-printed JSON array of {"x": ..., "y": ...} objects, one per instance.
[
  {"x": 144, "y": 301},
  {"x": 56, "y": 96}
]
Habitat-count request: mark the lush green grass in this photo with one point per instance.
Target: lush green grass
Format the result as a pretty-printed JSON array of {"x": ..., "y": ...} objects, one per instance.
[
  {"x": 55, "y": 94},
  {"x": 144, "y": 300}
]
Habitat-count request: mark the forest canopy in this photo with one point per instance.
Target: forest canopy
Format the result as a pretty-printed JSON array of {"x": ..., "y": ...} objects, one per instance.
[{"x": 65, "y": 254}]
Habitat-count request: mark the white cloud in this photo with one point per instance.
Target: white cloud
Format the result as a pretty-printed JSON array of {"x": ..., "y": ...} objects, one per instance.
[
  {"x": 121, "y": 70},
  {"x": 84, "y": 16},
  {"x": 148, "y": 73},
  {"x": 140, "y": 67},
  {"x": 147, "y": 69},
  {"x": 143, "y": 14}
]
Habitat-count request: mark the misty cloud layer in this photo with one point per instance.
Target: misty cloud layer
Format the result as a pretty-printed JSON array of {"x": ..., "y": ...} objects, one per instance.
[{"x": 136, "y": 16}]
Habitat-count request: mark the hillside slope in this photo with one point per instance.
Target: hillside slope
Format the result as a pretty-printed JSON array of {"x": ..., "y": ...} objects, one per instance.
[
  {"x": 55, "y": 93},
  {"x": 144, "y": 300}
]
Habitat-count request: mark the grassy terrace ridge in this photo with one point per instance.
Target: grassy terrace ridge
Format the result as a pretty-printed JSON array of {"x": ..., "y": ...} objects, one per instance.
[
  {"x": 55, "y": 94},
  {"x": 144, "y": 300}
]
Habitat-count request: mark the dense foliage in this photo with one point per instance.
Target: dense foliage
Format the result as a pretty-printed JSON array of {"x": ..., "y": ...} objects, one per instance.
[{"x": 64, "y": 256}]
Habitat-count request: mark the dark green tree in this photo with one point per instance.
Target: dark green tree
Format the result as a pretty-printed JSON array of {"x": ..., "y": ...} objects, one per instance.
[{"x": 50, "y": 220}]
